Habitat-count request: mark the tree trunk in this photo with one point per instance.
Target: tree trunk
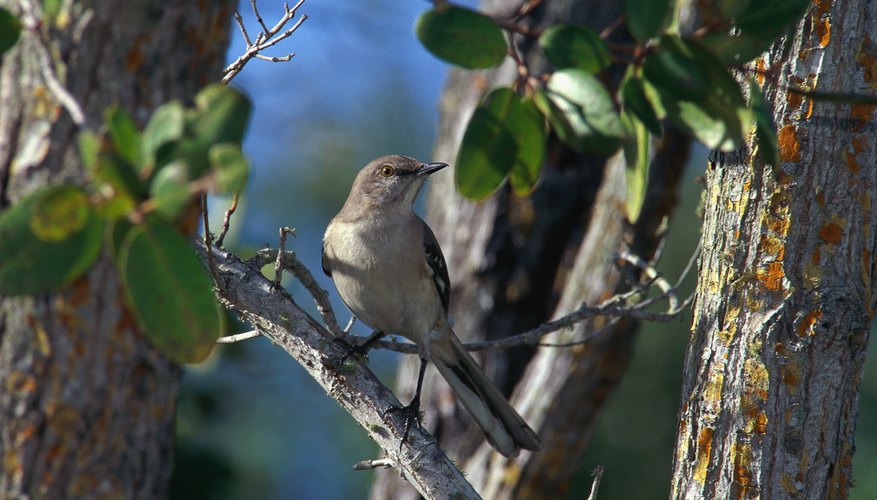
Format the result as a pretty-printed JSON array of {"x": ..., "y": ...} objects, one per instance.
[
  {"x": 518, "y": 262},
  {"x": 87, "y": 406},
  {"x": 785, "y": 292}
]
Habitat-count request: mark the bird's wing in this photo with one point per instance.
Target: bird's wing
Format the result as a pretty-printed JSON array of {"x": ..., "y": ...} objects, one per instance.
[
  {"x": 325, "y": 261},
  {"x": 436, "y": 262}
]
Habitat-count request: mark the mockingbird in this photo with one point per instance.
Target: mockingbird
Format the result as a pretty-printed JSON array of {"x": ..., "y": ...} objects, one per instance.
[{"x": 389, "y": 270}]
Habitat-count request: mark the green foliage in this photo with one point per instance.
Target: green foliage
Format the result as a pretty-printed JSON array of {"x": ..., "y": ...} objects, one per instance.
[
  {"x": 584, "y": 112},
  {"x": 169, "y": 291},
  {"x": 461, "y": 36},
  {"x": 166, "y": 126},
  {"x": 10, "y": 30},
  {"x": 707, "y": 103},
  {"x": 635, "y": 101},
  {"x": 636, "y": 156},
  {"x": 230, "y": 165},
  {"x": 648, "y": 18},
  {"x": 505, "y": 135},
  {"x": 47, "y": 239},
  {"x": 124, "y": 133},
  {"x": 141, "y": 184},
  {"x": 668, "y": 77},
  {"x": 569, "y": 46}
]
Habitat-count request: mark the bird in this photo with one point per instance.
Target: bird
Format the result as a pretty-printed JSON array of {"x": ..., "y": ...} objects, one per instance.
[{"x": 389, "y": 270}]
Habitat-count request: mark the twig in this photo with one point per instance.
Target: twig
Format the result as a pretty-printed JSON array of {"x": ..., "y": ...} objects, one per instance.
[
  {"x": 268, "y": 37},
  {"x": 278, "y": 264},
  {"x": 290, "y": 262},
  {"x": 373, "y": 464},
  {"x": 226, "y": 221},
  {"x": 231, "y": 339},
  {"x": 595, "y": 485},
  {"x": 259, "y": 16}
]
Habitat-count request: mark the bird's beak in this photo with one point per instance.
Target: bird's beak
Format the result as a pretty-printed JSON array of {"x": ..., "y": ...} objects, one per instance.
[{"x": 428, "y": 168}]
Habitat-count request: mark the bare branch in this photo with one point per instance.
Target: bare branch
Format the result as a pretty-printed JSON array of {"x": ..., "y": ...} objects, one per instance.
[
  {"x": 373, "y": 464},
  {"x": 226, "y": 221},
  {"x": 289, "y": 261},
  {"x": 240, "y": 337},
  {"x": 243, "y": 288},
  {"x": 595, "y": 485},
  {"x": 265, "y": 39}
]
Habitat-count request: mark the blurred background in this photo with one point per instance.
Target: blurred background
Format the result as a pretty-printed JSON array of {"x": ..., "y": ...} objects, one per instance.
[{"x": 251, "y": 423}]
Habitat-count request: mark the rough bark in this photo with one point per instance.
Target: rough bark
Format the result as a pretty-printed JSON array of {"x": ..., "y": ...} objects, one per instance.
[
  {"x": 86, "y": 406},
  {"x": 786, "y": 285},
  {"x": 517, "y": 262}
]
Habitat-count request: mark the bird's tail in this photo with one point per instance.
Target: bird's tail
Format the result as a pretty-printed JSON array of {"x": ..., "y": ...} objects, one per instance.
[{"x": 505, "y": 430}]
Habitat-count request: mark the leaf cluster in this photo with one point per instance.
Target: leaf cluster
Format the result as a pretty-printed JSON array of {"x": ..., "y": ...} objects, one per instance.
[
  {"x": 685, "y": 80},
  {"x": 142, "y": 188}
]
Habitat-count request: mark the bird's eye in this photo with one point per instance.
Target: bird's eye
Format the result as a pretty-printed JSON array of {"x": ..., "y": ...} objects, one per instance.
[{"x": 388, "y": 171}]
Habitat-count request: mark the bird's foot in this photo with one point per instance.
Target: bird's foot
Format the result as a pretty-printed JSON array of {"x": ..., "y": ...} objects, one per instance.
[{"x": 412, "y": 414}]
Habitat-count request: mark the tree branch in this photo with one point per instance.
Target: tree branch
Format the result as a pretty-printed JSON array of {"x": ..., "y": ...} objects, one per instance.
[{"x": 240, "y": 286}]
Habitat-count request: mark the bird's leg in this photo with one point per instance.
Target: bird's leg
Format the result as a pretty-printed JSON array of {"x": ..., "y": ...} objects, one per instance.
[
  {"x": 361, "y": 349},
  {"x": 412, "y": 410}
]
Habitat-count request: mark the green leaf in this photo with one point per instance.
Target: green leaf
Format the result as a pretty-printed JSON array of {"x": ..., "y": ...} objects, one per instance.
[
  {"x": 770, "y": 18},
  {"x": 169, "y": 292},
  {"x": 503, "y": 135},
  {"x": 757, "y": 26},
  {"x": 582, "y": 112},
  {"x": 461, "y": 36},
  {"x": 89, "y": 149},
  {"x": 116, "y": 179},
  {"x": 636, "y": 157},
  {"x": 221, "y": 115},
  {"x": 124, "y": 133},
  {"x": 531, "y": 135},
  {"x": 59, "y": 213},
  {"x": 231, "y": 168},
  {"x": 64, "y": 250},
  {"x": 718, "y": 115},
  {"x": 674, "y": 70},
  {"x": 634, "y": 100},
  {"x": 170, "y": 189},
  {"x": 569, "y": 46},
  {"x": 10, "y": 30},
  {"x": 765, "y": 130},
  {"x": 166, "y": 125},
  {"x": 648, "y": 18}
]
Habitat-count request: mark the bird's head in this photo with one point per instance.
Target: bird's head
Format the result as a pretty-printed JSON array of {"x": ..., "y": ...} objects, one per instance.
[{"x": 391, "y": 182}]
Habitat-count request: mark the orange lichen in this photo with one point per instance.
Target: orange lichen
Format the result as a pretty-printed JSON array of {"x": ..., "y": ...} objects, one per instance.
[
  {"x": 761, "y": 423},
  {"x": 862, "y": 113},
  {"x": 742, "y": 469},
  {"x": 790, "y": 149},
  {"x": 823, "y": 31},
  {"x": 806, "y": 327},
  {"x": 771, "y": 276},
  {"x": 831, "y": 233},
  {"x": 773, "y": 246},
  {"x": 760, "y": 68},
  {"x": 704, "y": 449},
  {"x": 817, "y": 256}
]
